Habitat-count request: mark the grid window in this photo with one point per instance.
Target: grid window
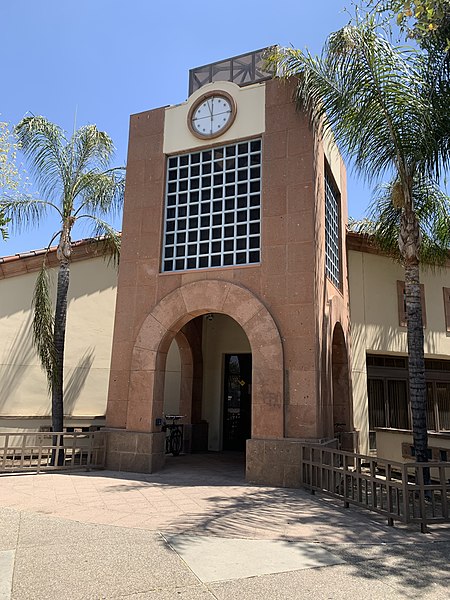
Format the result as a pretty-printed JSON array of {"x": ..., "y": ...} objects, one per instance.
[
  {"x": 332, "y": 231},
  {"x": 213, "y": 208},
  {"x": 387, "y": 387}
]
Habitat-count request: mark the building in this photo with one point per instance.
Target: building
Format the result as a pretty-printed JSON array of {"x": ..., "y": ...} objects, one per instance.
[
  {"x": 233, "y": 206},
  {"x": 379, "y": 350},
  {"x": 25, "y": 404},
  {"x": 233, "y": 305}
]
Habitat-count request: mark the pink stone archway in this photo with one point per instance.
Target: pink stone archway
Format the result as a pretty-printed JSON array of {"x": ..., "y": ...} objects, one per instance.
[
  {"x": 146, "y": 392},
  {"x": 187, "y": 375},
  {"x": 342, "y": 408}
]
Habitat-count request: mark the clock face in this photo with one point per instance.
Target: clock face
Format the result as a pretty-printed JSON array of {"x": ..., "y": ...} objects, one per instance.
[{"x": 212, "y": 115}]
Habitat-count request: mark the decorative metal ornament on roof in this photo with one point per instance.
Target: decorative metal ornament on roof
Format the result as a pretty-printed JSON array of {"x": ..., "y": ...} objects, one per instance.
[{"x": 243, "y": 70}]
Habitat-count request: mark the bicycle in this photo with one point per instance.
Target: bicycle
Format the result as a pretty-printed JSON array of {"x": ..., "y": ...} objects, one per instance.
[{"x": 174, "y": 439}]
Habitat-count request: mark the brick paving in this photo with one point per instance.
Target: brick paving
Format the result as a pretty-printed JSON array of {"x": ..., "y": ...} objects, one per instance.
[
  {"x": 199, "y": 493},
  {"x": 204, "y": 496}
]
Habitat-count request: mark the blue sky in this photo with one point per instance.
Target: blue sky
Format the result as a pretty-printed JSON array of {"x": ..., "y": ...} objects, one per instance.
[{"x": 106, "y": 59}]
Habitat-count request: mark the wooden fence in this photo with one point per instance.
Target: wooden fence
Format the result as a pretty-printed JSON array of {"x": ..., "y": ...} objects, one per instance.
[
  {"x": 395, "y": 490},
  {"x": 37, "y": 452}
]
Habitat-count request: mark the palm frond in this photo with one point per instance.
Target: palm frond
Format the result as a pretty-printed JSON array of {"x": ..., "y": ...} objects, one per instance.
[
  {"x": 43, "y": 143},
  {"x": 43, "y": 324},
  {"x": 370, "y": 94},
  {"x": 432, "y": 208},
  {"x": 102, "y": 193},
  {"x": 25, "y": 211},
  {"x": 436, "y": 65},
  {"x": 91, "y": 145},
  {"x": 3, "y": 226},
  {"x": 106, "y": 236}
]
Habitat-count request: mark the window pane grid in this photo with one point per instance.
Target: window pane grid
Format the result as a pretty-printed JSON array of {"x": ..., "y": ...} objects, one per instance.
[
  {"x": 332, "y": 223},
  {"x": 213, "y": 208},
  {"x": 387, "y": 383}
]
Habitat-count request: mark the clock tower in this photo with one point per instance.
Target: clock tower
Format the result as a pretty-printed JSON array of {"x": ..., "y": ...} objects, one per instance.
[{"x": 232, "y": 259}]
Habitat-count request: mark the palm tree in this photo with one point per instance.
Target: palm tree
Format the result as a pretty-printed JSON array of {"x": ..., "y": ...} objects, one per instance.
[
  {"x": 75, "y": 181},
  {"x": 386, "y": 112}
]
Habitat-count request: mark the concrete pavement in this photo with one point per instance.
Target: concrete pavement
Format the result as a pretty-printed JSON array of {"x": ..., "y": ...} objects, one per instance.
[{"x": 197, "y": 530}]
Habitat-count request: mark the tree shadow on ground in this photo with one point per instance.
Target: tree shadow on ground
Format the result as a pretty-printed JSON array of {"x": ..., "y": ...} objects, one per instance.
[{"x": 399, "y": 556}]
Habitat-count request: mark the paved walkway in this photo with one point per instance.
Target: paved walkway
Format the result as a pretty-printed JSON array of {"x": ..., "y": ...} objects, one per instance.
[{"x": 197, "y": 530}]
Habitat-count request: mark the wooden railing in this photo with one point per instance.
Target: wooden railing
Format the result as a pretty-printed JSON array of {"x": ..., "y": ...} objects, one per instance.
[
  {"x": 395, "y": 490},
  {"x": 51, "y": 451}
]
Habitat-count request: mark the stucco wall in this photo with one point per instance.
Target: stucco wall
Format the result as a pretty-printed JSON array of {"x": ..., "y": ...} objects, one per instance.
[
  {"x": 374, "y": 316},
  {"x": 172, "y": 381},
  {"x": 91, "y": 305}
]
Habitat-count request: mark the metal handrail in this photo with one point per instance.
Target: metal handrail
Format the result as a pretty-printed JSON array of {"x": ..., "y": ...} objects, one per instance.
[
  {"x": 44, "y": 451},
  {"x": 393, "y": 489}
]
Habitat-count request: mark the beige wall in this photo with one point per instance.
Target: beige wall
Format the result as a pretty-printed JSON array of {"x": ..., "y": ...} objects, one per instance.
[
  {"x": 390, "y": 446},
  {"x": 172, "y": 381},
  {"x": 337, "y": 168},
  {"x": 374, "y": 316},
  {"x": 91, "y": 305}
]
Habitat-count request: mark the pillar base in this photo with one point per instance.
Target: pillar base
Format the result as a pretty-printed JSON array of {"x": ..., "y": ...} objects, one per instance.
[
  {"x": 276, "y": 462},
  {"x": 349, "y": 441},
  {"x": 134, "y": 451}
]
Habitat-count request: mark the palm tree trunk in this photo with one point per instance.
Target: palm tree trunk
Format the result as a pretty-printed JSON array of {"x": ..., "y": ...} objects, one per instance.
[
  {"x": 416, "y": 362},
  {"x": 409, "y": 244},
  {"x": 59, "y": 336}
]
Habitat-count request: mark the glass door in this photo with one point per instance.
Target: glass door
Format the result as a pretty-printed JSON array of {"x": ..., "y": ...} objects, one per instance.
[{"x": 237, "y": 401}]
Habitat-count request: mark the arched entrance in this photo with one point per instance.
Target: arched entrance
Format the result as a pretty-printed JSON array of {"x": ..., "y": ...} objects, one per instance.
[
  {"x": 342, "y": 410},
  {"x": 220, "y": 357},
  {"x": 166, "y": 320}
]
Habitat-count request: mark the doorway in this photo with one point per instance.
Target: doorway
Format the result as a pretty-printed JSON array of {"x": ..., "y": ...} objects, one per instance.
[{"x": 237, "y": 405}]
